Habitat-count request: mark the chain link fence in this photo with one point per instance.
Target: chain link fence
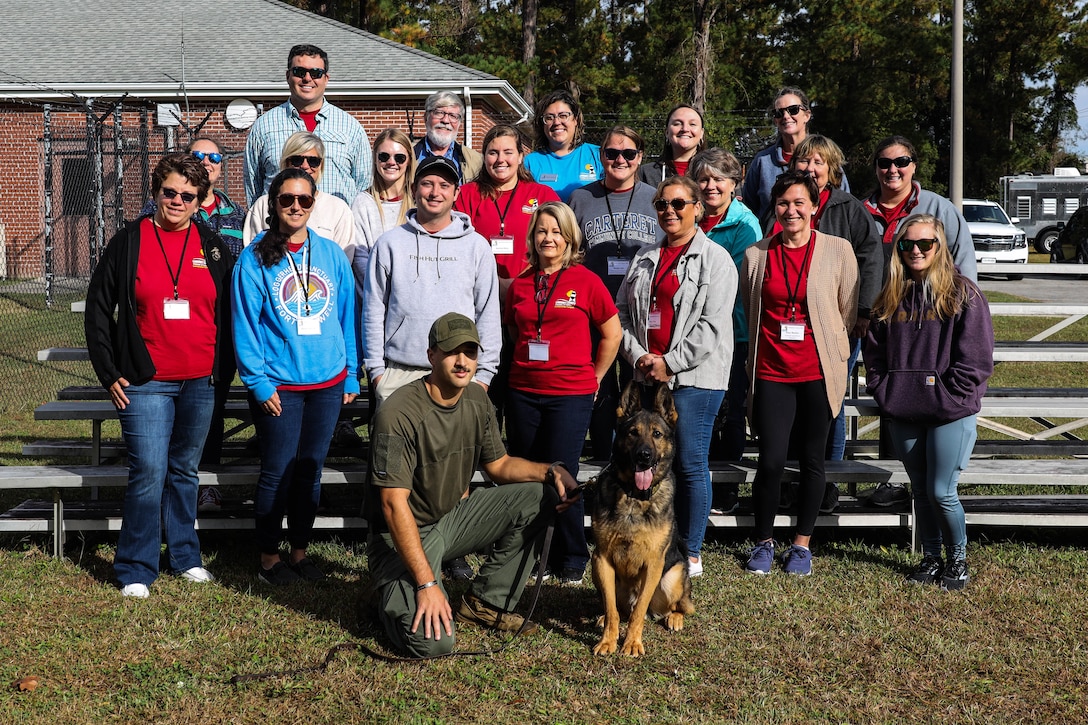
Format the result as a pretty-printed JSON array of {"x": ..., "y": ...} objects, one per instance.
[{"x": 95, "y": 165}]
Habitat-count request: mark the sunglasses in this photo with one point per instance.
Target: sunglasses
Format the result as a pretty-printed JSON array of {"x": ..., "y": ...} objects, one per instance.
[
  {"x": 315, "y": 73},
  {"x": 541, "y": 295},
  {"x": 186, "y": 197},
  {"x": 792, "y": 110},
  {"x": 384, "y": 156},
  {"x": 924, "y": 245},
  {"x": 613, "y": 154},
  {"x": 677, "y": 204},
  {"x": 212, "y": 156},
  {"x": 298, "y": 161},
  {"x": 901, "y": 162},
  {"x": 286, "y": 201}
]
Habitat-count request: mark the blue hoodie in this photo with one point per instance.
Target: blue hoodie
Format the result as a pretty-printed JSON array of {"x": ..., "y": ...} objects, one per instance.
[{"x": 267, "y": 305}]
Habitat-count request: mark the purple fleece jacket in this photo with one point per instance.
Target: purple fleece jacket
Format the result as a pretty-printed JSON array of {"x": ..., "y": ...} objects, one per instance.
[{"x": 922, "y": 369}]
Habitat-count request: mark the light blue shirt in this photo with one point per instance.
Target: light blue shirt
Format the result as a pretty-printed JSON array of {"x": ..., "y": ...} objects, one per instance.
[
  {"x": 566, "y": 173},
  {"x": 348, "y": 160}
]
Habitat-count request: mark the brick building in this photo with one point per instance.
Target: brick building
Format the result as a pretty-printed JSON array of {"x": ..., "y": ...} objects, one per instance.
[{"x": 102, "y": 89}]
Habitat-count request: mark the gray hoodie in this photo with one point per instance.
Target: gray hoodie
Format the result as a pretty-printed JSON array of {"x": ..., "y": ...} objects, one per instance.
[{"x": 413, "y": 277}]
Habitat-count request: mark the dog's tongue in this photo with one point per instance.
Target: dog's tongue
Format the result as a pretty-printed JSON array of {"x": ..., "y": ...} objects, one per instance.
[{"x": 643, "y": 479}]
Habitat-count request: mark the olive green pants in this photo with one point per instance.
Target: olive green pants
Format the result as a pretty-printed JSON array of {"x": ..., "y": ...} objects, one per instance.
[{"x": 509, "y": 519}]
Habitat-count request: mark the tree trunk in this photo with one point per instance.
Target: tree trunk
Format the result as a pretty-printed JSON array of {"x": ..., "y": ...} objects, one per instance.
[
  {"x": 528, "y": 47},
  {"x": 705, "y": 10}
]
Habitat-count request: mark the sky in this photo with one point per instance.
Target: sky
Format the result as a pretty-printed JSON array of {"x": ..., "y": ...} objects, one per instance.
[{"x": 1078, "y": 140}]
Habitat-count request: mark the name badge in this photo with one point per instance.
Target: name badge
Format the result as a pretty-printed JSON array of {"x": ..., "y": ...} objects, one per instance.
[
  {"x": 309, "y": 326},
  {"x": 653, "y": 322},
  {"x": 618, "y": 265},
  {"x": 502, "y": 245},
  {"x": 538, "y": 350},
  {"x": 175, "y": 309},
  {"x": 545, "y": 178},
  {"x": 793, "y": 331}
]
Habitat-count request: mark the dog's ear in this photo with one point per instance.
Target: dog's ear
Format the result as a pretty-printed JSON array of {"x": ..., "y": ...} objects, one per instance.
[
  {"x": 630, "y": 401},
  {"x": 664, "y": 406}
]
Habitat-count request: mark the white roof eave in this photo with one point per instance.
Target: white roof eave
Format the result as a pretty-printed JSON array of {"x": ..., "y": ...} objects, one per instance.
[{"x": 499, "y": 93}]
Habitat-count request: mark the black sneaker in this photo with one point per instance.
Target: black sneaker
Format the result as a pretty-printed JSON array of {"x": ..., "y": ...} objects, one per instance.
[
  {"x": 280, "y": 575},
  {"x": 568, "y": 576},
  {"x": 831, "y": 499},
  {"x": 306, "y": 569},
  {"x": 458, "y": 570},
  {"x": 955, "y": 577},
  {"x": 889, "y": 494},
  {"x": 928, "y": 572},
  {"x": 728, "y": 501}
]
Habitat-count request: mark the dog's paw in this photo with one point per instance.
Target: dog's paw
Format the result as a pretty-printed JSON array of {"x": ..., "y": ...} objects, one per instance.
[
  {"x": 633, "y": 648},
  {"x": 674, "y": 621},
  {"x": 605, "y": 647}
]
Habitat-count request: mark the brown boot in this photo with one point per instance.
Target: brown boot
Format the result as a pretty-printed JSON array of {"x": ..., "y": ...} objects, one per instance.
[{"x": 475, "y": 610}]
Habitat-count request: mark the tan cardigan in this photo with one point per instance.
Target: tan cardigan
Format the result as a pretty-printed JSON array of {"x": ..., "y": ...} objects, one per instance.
[{"x": 832, "y": 308}]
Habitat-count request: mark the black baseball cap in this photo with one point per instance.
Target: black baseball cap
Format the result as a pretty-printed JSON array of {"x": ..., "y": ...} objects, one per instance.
[{"x": 439, "y": 165}]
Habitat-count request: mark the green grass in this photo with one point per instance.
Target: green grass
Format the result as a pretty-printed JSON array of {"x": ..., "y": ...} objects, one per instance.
[{"x": 852, "y": 643}]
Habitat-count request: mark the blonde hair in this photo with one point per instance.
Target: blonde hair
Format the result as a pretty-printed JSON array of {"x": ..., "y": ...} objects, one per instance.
[
  {"x": 297, "y": 144},
  {"x": 379, "y": 187},
  {"x": 568, "y": 227},
  {"x": 943, "y": 288},
  {"x": 828, "y": 150}
]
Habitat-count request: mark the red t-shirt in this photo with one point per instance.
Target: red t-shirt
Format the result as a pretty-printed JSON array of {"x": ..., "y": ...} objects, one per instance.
[
  {"x": 786, "y": 361},
  {"x": 180, "y": 349},
  {"x": 579, "y": 304},
  {"x": 709, "y": 222},
  {"x": 681, "y": 167},
  {"x": 666, "y": 283},
  {"x": 309, "y": 118},
  {"x": 487, "y": 217}
]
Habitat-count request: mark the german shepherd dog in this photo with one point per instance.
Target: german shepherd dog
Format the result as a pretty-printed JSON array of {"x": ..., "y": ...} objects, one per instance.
[{"x": 639, "y": 563}]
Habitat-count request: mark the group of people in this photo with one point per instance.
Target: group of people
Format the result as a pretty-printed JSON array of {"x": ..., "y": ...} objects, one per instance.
[{"x": 508, "y": 286}]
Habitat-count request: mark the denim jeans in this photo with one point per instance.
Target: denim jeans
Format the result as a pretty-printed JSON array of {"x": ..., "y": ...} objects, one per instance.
[
  {"x": 933, "y": 456},
  {"x": 549, "y": 428},
  {"x": 164, "y": 426},
  {"x": 836, "y": 442},
  {"x": 293, "y": 447},
  {"x": 697, "y": 408}
]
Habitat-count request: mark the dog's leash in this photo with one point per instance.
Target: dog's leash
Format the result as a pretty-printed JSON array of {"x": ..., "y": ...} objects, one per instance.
[{"x": 360, "y": 647}]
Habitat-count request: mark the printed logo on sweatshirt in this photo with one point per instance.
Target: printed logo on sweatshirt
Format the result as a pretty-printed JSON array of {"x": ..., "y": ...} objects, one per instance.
[
  {"x": 530, "y": 205},
  {"x": 291, "y": 301}
]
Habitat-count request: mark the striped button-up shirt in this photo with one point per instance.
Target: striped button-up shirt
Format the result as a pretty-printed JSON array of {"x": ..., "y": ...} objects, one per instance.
[{"x": 347, "y": 164}]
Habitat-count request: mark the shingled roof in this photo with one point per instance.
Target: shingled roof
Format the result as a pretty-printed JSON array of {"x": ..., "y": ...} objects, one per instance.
[{"x": 217, "y": 48}]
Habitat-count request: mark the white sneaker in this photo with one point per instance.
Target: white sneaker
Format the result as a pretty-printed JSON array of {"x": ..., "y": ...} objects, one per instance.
[
  {"x": 695, "y": 568},
  {"x": 197, "y": 574},
  {"x": 137, "y": 590}
]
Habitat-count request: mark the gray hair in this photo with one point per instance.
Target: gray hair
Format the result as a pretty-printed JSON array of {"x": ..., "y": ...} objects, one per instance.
[{"x": 443, "y": 99}]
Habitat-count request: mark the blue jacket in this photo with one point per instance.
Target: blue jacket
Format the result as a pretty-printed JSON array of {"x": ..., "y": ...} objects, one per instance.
[
  {"x": 735, "y": 233},
  {"x": 267, "y": 305}
]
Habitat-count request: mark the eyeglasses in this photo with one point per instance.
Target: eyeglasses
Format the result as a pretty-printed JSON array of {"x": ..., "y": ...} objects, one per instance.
[
  {"x": 792, "y": 110},
  {"x": 677, "y": 204},
  {"x": 613, "y": 154},
  {"x": 563, "y": 116},
  {"x": 315, "y": 73},
  {"x": 541, "y": 289},
  {"x": 901, "y": 162},
  {"x": 924, "y": 245},
  {"x": 438, "y": 114},
  {"x": 213, "y": 157},
  {"x": 298, "y": 161},
  {"x": 186, "y": 197},
  {"x": 384, "y": 156},
  {"x": 286, "y": 201}
]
